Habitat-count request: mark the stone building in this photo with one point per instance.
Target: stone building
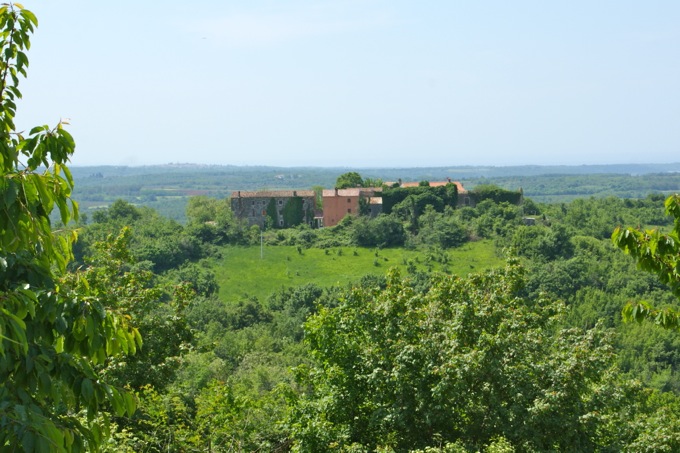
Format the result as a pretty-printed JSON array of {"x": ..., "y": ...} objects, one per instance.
[{"x": 283, "y": 208}]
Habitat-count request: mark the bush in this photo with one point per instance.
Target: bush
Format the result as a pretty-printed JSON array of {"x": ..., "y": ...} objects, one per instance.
[{"x": 383, "y": 231}]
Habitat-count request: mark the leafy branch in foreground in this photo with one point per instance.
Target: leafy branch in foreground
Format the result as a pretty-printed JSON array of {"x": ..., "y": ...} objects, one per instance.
[
  {"x": 52, "y": 336},
  {"x": 657, "y": 253}
]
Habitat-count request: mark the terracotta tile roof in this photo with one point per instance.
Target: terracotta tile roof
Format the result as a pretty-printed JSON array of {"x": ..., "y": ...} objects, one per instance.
[
  {"x": 273, "y": 194},
  {"x": 353, "y": 192}
]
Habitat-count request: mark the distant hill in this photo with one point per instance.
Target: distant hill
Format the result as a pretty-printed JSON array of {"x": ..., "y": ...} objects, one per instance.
[{"x": 387, "y": 172}]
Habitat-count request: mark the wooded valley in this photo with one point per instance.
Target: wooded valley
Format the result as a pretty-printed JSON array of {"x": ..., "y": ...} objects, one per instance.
[
  {"x": 469, "y": 330},
  {"x": 524, "y": 325}
]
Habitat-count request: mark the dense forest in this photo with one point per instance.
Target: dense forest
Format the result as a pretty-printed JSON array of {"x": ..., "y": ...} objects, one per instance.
[{"x": 505, "y": 326}]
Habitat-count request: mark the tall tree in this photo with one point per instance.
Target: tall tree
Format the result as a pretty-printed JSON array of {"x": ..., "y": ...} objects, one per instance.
[
  {"x": 51, "y": 337},
  {"x": 348, "y": 180}
]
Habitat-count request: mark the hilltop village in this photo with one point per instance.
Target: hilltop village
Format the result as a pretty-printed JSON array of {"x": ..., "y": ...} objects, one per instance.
[{"x": 327, "y": 207}]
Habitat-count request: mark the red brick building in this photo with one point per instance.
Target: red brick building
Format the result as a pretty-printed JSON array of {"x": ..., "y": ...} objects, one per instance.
[{"x": 337, "y": 203}]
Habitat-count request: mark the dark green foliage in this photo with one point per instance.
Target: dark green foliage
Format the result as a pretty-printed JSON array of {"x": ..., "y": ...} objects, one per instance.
[
  {"x": 495, "y": 194},
  {"x": 161, "y": 241},
  {"x": 200, "y": 279},
  {"x": 122, "y": 212},
  {"x": 543, "y": 243},
  {"x": 272, "y": 215},
  {"x": 349, "y": 180},
  {"x": 292, "y": 306},
  {"x": 598, "y": 217},
  {"x": 245, "y": 313},
  {"x": 562, "y": 278},
  {"x": 292, "y": 212},
  {"x": 305, "y": 236},
  {"x": 211, "y": 221},
  {"x": 202, "y": 209},
  {"x": 293, "y": 300},
  {"x": 652, "y": 354},
  {"x": 413, "y": 206},
  {"x": 132, "y": 290},
  {"x": 496, "y": 219},
  {"x": 165, "y": 244},
  {"x": 442, "y": 230},
  {"x": 204, "y": 311},
  {"x": 530, "y": 208},
  {"x": 383, "y": 231},
  {"x": 364, "y": 207},
  {"x": 656, "y": 427},
  {"x": 414, "y": 199}
]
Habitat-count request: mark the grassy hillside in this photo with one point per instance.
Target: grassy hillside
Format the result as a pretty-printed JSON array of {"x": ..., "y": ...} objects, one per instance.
[{"x": 243, "y": 272}]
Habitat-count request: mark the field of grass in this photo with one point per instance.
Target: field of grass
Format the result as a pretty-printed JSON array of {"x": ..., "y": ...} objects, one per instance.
[{"x": 244, "y": 271}]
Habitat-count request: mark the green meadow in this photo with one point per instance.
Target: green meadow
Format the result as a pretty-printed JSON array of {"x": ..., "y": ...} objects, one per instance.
[{"x": 252, "y": 271}]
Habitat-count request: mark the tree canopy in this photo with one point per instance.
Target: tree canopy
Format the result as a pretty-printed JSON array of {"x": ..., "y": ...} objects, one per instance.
[
  {"x": 467, "y": 360},
  {"x": 348, "y": 180}
]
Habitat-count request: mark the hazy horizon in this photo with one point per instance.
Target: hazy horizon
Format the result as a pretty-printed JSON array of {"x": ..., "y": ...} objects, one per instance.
[
  {"x": 358, "y": 84},
  {"x": 345, "y": 167}
]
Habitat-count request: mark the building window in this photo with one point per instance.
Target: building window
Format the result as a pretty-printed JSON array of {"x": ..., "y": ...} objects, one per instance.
[
  {"x": 280, "y": 202},
  {"x": 349, "y": 211},
  {"x": 252, "y": 203},
  {"x": 281, "y": 222},
  {"x": 349, "y": 200}
]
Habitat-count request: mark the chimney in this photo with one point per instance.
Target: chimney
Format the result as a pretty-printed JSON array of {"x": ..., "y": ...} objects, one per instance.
[
  {"x": 448, "y": 179},
  {"x": 295, "y": 193},
  {"x": 239, "y": 194},
  {"x": 336, "y": 191}
]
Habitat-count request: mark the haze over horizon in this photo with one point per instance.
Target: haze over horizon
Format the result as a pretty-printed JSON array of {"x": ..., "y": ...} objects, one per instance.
[{"x": 358, "y": 83}]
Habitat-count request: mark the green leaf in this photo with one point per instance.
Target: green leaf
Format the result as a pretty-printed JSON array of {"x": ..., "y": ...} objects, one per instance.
[
  {"x": 22, "y": 60},
  {"x": 30, "y": 16},
  {"x": 63, "y": 211},
  {"x": 11, "y": 192},
  {"x": 67, "y": 173},
  {"x": 46, "y": 198},
  {"x": 28, "y": 441},
  {"x": 87, "y": 390},
  {"x": 130, "y": 403},
  {"x": 38, "y": 130}
]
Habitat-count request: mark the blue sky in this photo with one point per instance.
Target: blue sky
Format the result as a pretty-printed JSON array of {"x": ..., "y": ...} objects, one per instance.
[{"x": 359, "y": 83}]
